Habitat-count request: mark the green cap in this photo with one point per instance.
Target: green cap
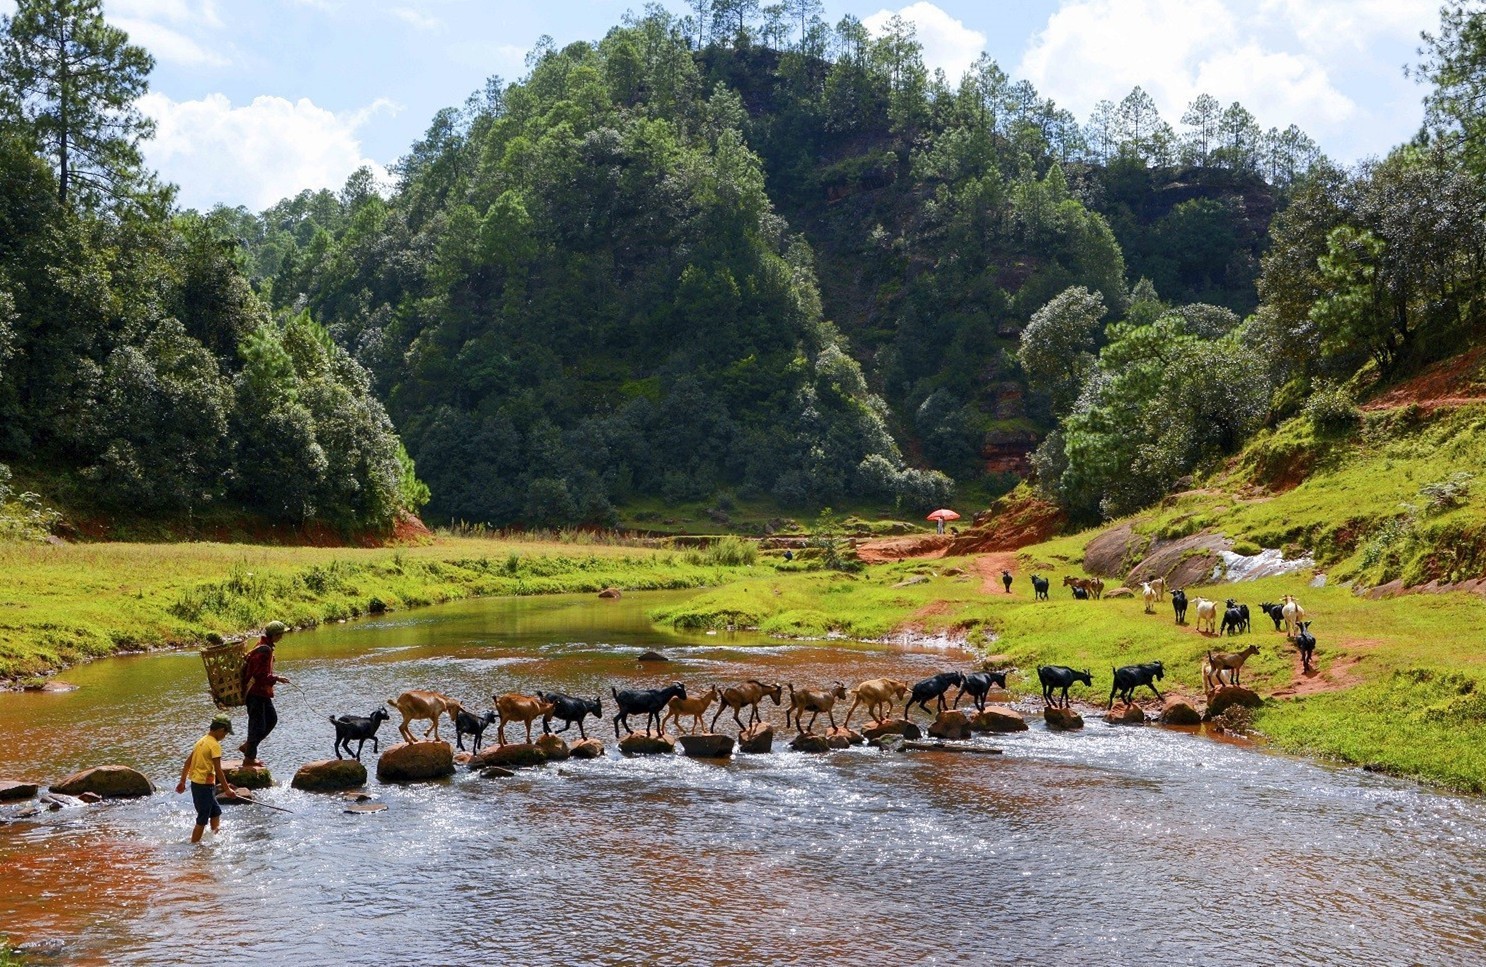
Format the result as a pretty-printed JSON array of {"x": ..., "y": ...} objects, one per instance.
[
  {"x": 275, "y": 629},
  {"x": 222, "y": 722}
]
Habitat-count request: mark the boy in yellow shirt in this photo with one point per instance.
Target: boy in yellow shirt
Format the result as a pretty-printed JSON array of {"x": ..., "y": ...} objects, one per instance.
[{"x": 204, "y": 770}]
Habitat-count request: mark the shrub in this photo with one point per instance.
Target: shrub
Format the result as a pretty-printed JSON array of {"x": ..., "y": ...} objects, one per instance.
[{"x": 1332, "y": 408}]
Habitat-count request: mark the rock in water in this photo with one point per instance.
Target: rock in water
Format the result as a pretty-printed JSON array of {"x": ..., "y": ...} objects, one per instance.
[
  {"x": 553, "y": 747},
  {"x": 369, "y": 807},
  {"x": 609, "y": 593},
  {"x": 998, "y": 718},
  {"x": 328, "y": 775},
  {"x": 644, "y": 743},
  {"x": 652, "y": 656},
  {"x": 1229, "y": 695},
  {"x": 257, "y": 777},
  {"x": 416, "y": 762},
  {"x": 903, "y": 727},
  {"x": 496, "y": 772},
  {"x": 851, "y": 736},
  {"x": 1062, "y": 719},
  {"x": 707, "y": 745},
  {"x": 586, "y": 749},
  {"x": 1124, "y": 714},
  {"x": 810, "y": 742},
  {"x": 758, "y": 737},
  {"x": 15, "y": 789},
  {"x": 110, "y": 782},
  {"x": 517, "y": 755},
  {"x": 1180, "y": 713},
  {"x": 950, "y": 724}
]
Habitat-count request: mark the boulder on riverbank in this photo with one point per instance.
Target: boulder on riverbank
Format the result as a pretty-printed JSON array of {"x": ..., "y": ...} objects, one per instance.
[
  {"x": 553, "y": 747},
  {"x": 646, "y": 743},
  {"x": 329, "y": 775},
  {"x": 903, "y": 727},
  {"x": 1062, "y": 719},
  {"x": 1229, "y": 695},
  {"x": 757, "y": 738},
  {"x": 1180, "y": 713},
  {"x": 255, "y": 777},
  {"x": 707, "y": 745},
  {"x": 1125, "y": 714},
  {"x": 515, "y": 755},
  {"x": 810, "y": 742},
  {"x": 416, "y": 762},
  {"x": 110, "y": 782},
  {"x": 998, "y": 718},
  {"x": 851, "y": 736},
  {"x": 13, "y": 789},
  {"x": 586, "y": 749},
  {"x": 950, "y": 724}
]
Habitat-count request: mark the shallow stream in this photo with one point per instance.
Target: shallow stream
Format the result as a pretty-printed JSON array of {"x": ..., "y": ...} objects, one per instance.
[{"x": 1106, "y": 846}]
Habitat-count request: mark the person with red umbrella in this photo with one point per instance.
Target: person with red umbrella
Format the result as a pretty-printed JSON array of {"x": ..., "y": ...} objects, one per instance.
[{"x": 940, "y": 516}]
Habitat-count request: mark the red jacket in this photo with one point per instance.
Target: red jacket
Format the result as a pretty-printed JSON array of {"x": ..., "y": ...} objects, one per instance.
[{"x": 259, "y": 667}]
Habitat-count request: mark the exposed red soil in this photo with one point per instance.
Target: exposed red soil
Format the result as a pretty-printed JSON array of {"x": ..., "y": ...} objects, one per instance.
[
  {"x": 1010, "y": 524},
  {"x": 1328, "y": 676},
  {"x": 902, "y": 548},
  {"x": 990, "y": 566},
  {"x": 1451, "y": 382}
]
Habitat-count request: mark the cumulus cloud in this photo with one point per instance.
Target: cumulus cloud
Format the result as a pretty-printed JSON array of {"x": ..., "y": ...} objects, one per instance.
[
  {"x": 255, "y": 154},
  {"x": 417, "y": 18},
  {"x": 948, "y": 44},
  {"x": 168, "y": 44}
]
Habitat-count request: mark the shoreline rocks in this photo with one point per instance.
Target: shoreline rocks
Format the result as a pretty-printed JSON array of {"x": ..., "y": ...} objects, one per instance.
[
  {"x": 110, "y": 782},
  {"x": 1180, "y": 713},
  {"x": 586, "y": 749},
  {"x": 951, "y": 724},
  {"x": 515, "y": 755},
  {"x": 810, "y": 742},
  {"x": 903, "y": 727},
  {"x": 1123, "y": 714},
  {"x": 645, "y": 743},
  {"x": 14, "y": 789},
  {"x": 757, "y": 738},
  {"x": 1062, "y": 719},
  {"x": 1229, "y": 695},
  {"x": 416, "y": 762},
  {"x": 256, "y": 777},
  {"x": 329, "y": 775},
  {"x": 707, "y": 745}
]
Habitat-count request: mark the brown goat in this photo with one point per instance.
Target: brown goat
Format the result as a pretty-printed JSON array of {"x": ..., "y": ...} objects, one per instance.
[
  {"x": 747, "y": 695},
  {"x": 814, "y": 701},
  {"x": 421, "y": 704},
  {"x": 695, "y": 707},
  {"x": 1221, "y": 661},
  {"x": 522, "y": 708},
  {"x": 877, "y": 696}
]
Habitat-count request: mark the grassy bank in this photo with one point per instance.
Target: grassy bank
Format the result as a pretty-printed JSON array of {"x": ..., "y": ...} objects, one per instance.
[
  {"x": 1402, "y": 685},
  {"x": 63, "y": 604}
]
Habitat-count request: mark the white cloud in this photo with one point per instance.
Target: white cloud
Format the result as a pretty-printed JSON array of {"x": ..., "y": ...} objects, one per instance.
[
  {"x": 1331, "y": 26},
  {"x": 176, "y": 11},
  {"x": 168, "y": 44},
  {"x": 256, "y": 154},
  {"x": 948, "y": 44},
  {"x": 1270, "y": 55},
  {"x": 417, "y": 18}
]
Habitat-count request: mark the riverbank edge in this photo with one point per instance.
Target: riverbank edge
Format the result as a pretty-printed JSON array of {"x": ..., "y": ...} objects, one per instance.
[{"x": 84, "y": 608}]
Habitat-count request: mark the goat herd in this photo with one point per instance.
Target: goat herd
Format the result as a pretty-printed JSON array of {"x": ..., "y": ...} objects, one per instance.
[{"x": 662, "y": 707}]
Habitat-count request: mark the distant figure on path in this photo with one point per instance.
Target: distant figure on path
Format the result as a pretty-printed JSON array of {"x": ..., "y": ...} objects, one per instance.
[
  {"x": 203, "y": 769},
  {"x": 1006, "y": 580},
  {"x": 258, "y": 683},
  {"x": 939, "y": 526}
]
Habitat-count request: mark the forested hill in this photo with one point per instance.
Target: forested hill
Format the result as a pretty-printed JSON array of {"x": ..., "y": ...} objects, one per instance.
[{"x": 794, "y": 270}]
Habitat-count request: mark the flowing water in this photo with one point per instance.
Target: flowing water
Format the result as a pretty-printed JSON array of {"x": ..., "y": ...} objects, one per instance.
[{"x": 1106, "y": 846}]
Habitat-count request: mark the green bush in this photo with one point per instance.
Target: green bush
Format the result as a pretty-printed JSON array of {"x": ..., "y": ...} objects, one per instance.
[{"x": 1332, "y": 408}]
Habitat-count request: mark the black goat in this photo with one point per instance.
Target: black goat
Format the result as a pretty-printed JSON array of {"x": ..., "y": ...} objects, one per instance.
[
  {"x": 1243, "y": 611},
  {"x": 467, "y": 723},
  {"x": 1006, "y": 580},
  {"x": 570, "y": 709},
  {"x": 1039, "y": 587},
  {"x": 1306, "y": 642},
  {"x": 650, "y": 702},
  {"x": 360, "y": 728},
  {"x": 1130, "y": 677},
  {"x": 1276, "y": 614},
  {"x": 1080, "y": 594},
  {"x": 1232, "y": 621},
  {"x": 1179, "y": 605},
  {"x": 1060, "y": 676},
  {"x": 933, "y": 688},
  {"x": 978, "y": 686}
]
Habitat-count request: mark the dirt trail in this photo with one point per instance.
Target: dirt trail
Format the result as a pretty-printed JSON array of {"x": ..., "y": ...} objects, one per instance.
[
  {"x": 989, "y": 567},
  {"x": 903, "y": 548}
]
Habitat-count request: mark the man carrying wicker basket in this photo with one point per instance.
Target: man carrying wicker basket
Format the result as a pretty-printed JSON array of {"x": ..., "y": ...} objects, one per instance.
[{"x": 258, "y": 681}]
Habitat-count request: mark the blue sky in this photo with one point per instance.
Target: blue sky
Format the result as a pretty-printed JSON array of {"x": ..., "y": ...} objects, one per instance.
[{"x": 256, "y": 99}]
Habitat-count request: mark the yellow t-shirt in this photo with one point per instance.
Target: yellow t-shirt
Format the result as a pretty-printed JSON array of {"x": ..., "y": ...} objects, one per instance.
[{"x": 202, "y": 754}]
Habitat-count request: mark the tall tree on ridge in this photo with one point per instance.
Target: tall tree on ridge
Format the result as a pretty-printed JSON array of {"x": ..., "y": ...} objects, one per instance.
[{"x": 78, "y": 79}]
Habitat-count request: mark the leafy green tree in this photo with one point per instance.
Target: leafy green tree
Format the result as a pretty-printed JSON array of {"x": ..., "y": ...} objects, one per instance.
[
  {"x": 78, "y": 80},
  {"x": 1453, "y": 60},
  {"x": 1203, "y": 118},
  {"x": 1057, "y": 345}
]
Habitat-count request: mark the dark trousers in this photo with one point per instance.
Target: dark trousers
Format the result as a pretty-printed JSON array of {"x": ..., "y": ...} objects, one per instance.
[{"x": 261, "y": 720}]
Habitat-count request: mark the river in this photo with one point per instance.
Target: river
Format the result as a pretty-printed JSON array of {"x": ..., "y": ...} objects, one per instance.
[{"x": 1105, "y": 846}]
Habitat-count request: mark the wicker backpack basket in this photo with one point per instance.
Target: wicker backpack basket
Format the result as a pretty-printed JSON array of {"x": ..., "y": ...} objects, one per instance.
[{"x": 224, "y": 666}]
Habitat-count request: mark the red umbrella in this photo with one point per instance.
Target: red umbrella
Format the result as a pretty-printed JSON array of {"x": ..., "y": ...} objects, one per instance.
[{"x": 943, "y": 513}]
